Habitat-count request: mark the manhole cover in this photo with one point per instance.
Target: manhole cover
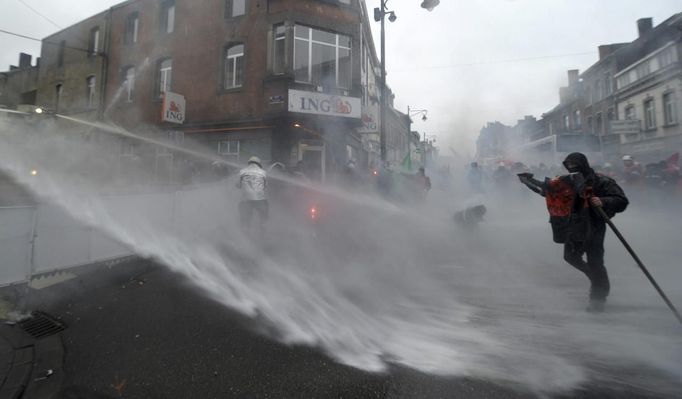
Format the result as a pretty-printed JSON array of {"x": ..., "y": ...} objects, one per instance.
[{"x": 41, "y": 325}]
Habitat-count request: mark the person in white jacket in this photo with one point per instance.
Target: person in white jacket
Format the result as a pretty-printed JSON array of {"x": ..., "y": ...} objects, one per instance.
[{"x": 253, "y": 183}]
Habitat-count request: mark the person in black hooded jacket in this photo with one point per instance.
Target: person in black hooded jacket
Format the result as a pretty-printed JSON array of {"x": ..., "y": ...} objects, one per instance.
[{"x": 605, "y": 193}]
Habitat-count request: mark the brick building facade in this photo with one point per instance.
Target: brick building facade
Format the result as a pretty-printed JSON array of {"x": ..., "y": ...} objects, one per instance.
[
  {"x": 286, "y": 80},
  {"x": 73, "y": 71},
  {"x": 236, "y": 63},
  {"x": 18, "y": 85}
]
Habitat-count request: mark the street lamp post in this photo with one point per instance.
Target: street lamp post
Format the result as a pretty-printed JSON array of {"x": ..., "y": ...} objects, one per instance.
[
  {"x": 380, "y": 15},
  {"x": 410, "y": 114}
]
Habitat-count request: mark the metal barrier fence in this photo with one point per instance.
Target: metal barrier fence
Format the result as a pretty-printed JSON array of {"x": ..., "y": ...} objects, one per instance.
[
  {"x": 17, "y": 229},
  {"x": 44, "y": 238}
]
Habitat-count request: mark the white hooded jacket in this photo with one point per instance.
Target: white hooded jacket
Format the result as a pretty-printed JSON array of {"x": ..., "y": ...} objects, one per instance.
[{"x": 252, "y": 182}]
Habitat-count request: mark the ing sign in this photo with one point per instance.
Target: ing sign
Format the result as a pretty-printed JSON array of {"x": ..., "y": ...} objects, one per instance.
[
  {"x": 173, "y": 109},
  {"x": 323, "y": 104}
]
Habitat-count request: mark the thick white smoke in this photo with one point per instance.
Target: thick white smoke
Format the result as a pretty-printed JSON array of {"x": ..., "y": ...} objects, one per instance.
[{"x": 377, "y": 284}]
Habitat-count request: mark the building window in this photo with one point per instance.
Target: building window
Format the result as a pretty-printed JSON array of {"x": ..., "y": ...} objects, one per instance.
[
  {"x": 669, "y": 108},
  {"x": 235, "y": 8},
  {"x": 630, "y": 113},
  {"x": 577, "y": 123},
  {"x": 608, "y": 84},
  {"x": 165, "y": 76},
  {"x": 598, "y": 90},
  {"x": 649, "y": 114},
  {"x": 567, "y": 122},
  {"x": 279, "y": 50},
  {"x": 90, "y": 91},
  {"x": 228, "y": 147},
  {"x": 322, "y": 57},
  {"x": 600, "y": 123},
  {"x": 129, "y": 83},
  {"x": 168, "y": 16},
  {"x": 131, "y": 28},
  {"x": 643, "y": 69},
  {"x": 589, "y": 124},
  {"x": 93, "y": 46},
  {"x": 234, "y": 66},
  {"x": 363, "y": 57},
  {"x": 58, "y": 90},
  {"x": 610, "y": 114},
  {"x": 60, "y": 53},
  {"x": 667, "y": 57}
]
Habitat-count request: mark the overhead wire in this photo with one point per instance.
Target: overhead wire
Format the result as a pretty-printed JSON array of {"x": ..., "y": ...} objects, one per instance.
[
  {"x": 45, "y": 41},
  {"x": 35, "y": 11},
  {"x": 39, "y": 13}
]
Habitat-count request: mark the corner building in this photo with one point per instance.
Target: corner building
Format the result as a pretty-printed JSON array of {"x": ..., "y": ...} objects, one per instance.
[{"x": 279, "y": 79}]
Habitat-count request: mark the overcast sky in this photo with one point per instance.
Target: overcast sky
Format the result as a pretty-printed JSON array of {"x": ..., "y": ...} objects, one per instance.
[{"x": 467, "y": 62}]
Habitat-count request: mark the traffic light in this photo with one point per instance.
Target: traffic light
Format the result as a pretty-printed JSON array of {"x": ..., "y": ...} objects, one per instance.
[{"x": 377, "y": 14}]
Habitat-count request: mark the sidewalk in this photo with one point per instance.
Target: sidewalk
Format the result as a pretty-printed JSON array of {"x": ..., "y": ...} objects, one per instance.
[{"x": 29, "y": 367}]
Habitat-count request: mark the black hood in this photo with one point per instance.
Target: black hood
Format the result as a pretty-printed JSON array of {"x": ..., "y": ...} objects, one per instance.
[{"x": 579, "y": 159}]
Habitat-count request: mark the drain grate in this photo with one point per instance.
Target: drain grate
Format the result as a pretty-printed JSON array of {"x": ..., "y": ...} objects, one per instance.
[{"x": 41, "y": 325}]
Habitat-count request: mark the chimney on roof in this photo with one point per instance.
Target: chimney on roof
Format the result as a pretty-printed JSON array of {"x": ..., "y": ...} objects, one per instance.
[
  {"x": 644, "y": 25},
  {"x": 605, "y": 50},
  {"x": 573, "y": 77},
  {"x": 25, "y": 60}
]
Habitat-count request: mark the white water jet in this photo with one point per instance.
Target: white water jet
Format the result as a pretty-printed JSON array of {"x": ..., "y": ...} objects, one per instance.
[{"x": 403, "y": 288}]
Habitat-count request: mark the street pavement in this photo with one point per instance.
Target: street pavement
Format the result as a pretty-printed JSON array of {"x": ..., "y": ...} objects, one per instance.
[{"x": 137, "y": 330}]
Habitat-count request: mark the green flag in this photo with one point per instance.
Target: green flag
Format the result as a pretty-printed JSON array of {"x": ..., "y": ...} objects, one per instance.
[{"x": 407, "y": 163}]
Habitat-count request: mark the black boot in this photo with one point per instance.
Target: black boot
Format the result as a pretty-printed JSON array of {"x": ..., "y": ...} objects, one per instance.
[{"x": 596, "y": 305}]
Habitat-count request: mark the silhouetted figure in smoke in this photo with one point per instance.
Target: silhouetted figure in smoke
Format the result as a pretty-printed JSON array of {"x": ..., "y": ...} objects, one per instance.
[
  {"x": 575, "y": 224},
  {"x": 350, "y": 177},
  {"x": 502, "y": 177},
  {"x": 632, "y": 171},
  {"x": 475, "y": 177},
  {"x": 192, "y": 172},
  {"x": 385, "y": 180},
  {"x": 423, "y": 184},
  {"x": 278, "y": 190},
  {"x": 253, "y": 183},
  {"x": 299, "y": 171},
  {"x": 220, "y": 170}
]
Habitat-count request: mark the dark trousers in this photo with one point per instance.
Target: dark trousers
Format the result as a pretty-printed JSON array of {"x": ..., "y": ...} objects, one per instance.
[
  {"x": 246, "y": 210},
  {"x": 594, "y": 268}
]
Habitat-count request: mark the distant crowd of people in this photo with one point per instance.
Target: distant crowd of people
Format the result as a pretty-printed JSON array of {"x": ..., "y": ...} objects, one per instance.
[{"x": 653, "y": 182}]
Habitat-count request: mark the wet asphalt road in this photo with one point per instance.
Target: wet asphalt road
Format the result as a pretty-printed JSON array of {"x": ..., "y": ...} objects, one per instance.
[{"x": 139, "y": 331}]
